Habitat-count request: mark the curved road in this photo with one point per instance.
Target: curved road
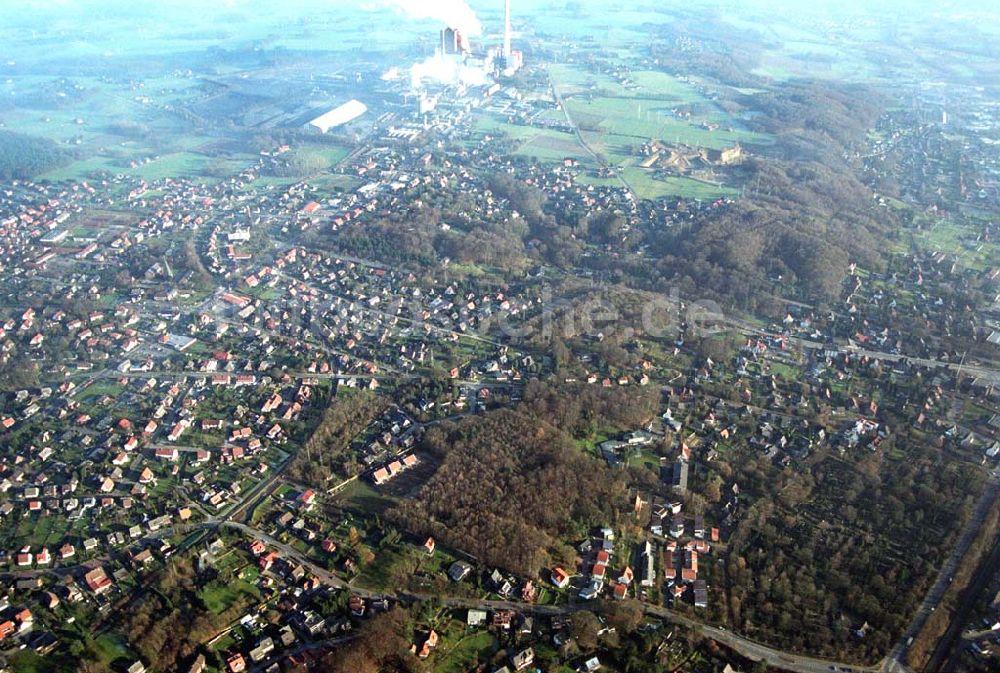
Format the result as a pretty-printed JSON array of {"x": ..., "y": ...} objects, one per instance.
[{"x": 744, "y": 646}]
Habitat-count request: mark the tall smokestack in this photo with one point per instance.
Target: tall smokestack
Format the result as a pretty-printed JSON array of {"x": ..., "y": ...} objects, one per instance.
[{"x": 506, "y": 31}]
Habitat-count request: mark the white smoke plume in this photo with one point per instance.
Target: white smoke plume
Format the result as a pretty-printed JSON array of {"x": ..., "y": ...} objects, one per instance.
[
  {"x": 445, "y": 69},
  {"x": 452, "y": 13}
]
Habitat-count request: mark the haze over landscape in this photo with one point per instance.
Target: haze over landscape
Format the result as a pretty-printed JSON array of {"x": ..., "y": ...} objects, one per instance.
[{"x": 502, "y": 335}]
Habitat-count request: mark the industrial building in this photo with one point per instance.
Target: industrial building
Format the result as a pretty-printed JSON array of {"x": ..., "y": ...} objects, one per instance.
[
  {"x": 453, "y": 42},
  {"x": 338, "y": 116},
  {"x": 457, "y": 63},
  {"x": 511, "y": 60}
]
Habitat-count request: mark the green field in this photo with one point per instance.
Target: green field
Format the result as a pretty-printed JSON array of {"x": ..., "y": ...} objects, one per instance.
[
  {"x": 959, "y": 239},
  {"x": 617, "y": 117},
  {"x": 332, "y": 153},
  {"x": 648, "y": 186},
  {"x": 182, "y": 164},
  {"x": 540, "y": 143},
  {"x": 361, "y": 496},
  {"x": 637, "y": 120}
]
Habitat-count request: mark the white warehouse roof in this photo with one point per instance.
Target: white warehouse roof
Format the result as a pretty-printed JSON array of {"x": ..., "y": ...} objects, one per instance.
[{"x": 349, "y": 111}]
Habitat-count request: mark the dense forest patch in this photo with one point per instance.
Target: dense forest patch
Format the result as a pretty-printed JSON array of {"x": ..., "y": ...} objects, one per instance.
[{"x": 23, "y": 157}]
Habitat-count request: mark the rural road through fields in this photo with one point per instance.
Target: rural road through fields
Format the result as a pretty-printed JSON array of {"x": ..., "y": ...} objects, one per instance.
[{"x": 583, "y": 143}]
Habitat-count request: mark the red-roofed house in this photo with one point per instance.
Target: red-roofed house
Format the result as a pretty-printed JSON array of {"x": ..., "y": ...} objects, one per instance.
[
  {"x": 167, "y": 453},
  {"x": 267, "y": 560},
  {"x": 97, "y": 580},
  {"x": 236, "y": 663}
]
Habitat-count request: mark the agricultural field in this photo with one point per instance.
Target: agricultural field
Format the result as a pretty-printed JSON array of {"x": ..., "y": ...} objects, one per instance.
[
  {"x": 535, "y": 142},
  {"x": 617, "y": 116},
  {"x": 649, "y": 186}
]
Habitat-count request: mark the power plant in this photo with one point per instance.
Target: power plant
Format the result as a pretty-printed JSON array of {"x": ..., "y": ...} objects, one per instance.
[
  {"x": 456, "y": 62},
  {"x": 512, "y": 60}
]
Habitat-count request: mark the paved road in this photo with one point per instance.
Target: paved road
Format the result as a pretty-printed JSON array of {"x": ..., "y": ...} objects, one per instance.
[
  {"x": 744, "y": 646},
  {"x": 895, "y": 661},
  {"x": 245, "y": 505},
  {"x": 951, "y": 646},
  {"x": 979, "y": 371},
  {"x": 416, "y": 322},
  {"x": 579, "y": 136}
]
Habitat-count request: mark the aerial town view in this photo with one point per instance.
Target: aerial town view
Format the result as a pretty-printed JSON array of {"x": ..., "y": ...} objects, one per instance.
[{"x": 540, "y": 336}]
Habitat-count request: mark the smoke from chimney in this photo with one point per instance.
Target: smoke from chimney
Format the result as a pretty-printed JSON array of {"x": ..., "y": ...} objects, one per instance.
[{"x": 452, "y": 13}]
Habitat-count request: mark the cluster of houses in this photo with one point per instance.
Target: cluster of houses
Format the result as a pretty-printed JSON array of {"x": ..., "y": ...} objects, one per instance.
[{"x": 393, "y": 468}]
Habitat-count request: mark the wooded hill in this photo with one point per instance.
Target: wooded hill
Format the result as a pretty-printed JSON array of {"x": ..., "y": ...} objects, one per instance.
[
  {"x": 24, "y": 157},
  {"x": 515, "y": 489}
]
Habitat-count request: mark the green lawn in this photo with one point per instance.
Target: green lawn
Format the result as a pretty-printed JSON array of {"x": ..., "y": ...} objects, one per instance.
[
  {"x": 361, "y": 496},
  {"x": 100, "y": 388},
  {"x": 219, "y": 597},
  {"x": 332, "y": 153},
  {"x": 111, "y": 646},
  {"x": 465, "y": 653},
  {"x": 786, "y": 371},
  {"x": 26, "y": 661},
  {"x": 957, "y": 238},
  {"x": 38, "y": 531}
]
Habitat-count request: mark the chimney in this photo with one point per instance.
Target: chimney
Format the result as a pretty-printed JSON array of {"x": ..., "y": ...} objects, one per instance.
[{"x": 506, "y": 31}]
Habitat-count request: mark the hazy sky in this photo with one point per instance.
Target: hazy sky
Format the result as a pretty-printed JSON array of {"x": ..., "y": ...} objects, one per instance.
[{"x": 94, "y": 19}]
